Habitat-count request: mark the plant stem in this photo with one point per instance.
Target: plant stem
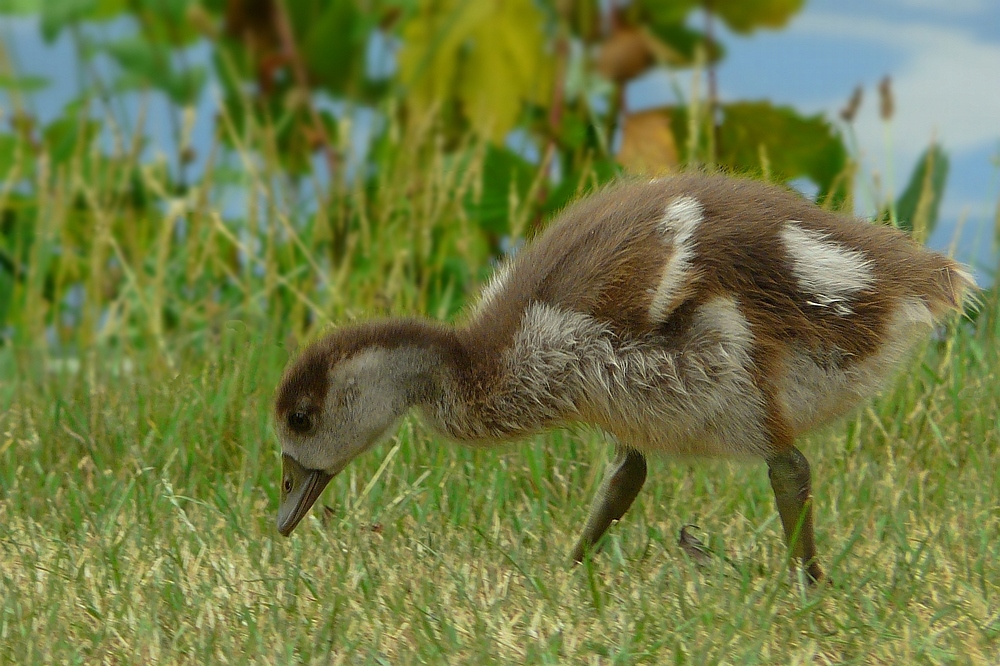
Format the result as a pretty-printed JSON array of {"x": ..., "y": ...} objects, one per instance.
[{"x": 287, "y": 37}]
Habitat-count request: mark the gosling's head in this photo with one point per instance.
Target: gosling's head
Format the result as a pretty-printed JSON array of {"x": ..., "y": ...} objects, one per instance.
[{"x": 343, "y": 395}]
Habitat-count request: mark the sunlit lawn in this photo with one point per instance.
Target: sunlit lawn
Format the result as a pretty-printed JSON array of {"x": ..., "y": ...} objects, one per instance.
[
  {"x": 138, "y": 508},
  {"x": 139, "y": 471}
]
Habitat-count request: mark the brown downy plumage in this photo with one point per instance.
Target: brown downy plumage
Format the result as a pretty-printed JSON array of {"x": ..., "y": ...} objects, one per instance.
[{"x": 690, "y": 315}]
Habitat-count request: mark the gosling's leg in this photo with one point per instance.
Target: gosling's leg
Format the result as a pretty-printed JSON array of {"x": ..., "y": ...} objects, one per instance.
[
  {"x": 789, "y": 474},
  {"x": 622, "y": 483}
]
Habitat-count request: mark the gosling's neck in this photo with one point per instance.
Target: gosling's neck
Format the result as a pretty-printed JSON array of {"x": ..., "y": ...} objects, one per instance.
[
  {"x": 502, "y": 383},
  {"x": 446, "y": 375},
  {"x": 423, "y": 359},
  {"x": 476, "y": 387},
  {"x": 424, "y": 365}
]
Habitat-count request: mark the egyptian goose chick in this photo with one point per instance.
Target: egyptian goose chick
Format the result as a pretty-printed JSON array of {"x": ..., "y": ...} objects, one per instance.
[{"x": 693, "y": 315}]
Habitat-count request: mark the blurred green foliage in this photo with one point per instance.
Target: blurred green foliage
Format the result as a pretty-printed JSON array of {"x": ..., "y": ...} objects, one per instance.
[
  {"x": 515, "y": 106},
  {"x": 918, "y": 205}
]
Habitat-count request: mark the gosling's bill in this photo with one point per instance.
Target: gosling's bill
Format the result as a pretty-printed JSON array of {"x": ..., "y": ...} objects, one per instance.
[{"x": 300, "y": 488}]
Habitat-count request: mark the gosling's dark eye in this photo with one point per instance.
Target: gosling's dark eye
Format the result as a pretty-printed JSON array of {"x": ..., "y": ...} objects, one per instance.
[
  {"x": 299, "y": 421},
  {"x": 288, "y": 484}
]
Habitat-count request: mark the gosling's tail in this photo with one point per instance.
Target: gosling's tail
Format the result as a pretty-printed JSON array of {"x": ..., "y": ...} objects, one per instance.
[{"x": 953, "y": 287}]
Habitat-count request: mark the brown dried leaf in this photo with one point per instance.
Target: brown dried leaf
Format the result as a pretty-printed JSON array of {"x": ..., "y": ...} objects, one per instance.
[
  {"x": 624, "y": 55},
  {"x": 648, "y": 145}
]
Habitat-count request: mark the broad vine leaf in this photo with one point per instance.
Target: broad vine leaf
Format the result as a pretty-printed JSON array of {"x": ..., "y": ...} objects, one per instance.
[
  {"x": 20, "y": 7},
  {"x": 487, "y": 56},
  {"x": 682, "y": 43},
  {"x": 658, "y": 12},
  {"x": 332, "y": 42},
  {"x": 760, "y": 138},
  {"x": 918, "y": 206},
  {"x": 667, "y": 22},
  {"x": 168, "y": 11},
  {"x": 69, "y": 134},
  {"x": 165, "y": 21},
  {"x": 59, "y": 14},
  {"x": 745, "y": 16}
]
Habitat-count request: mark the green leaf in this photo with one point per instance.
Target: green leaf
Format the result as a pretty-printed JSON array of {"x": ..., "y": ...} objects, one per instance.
[
  {"x": 23, "y": 83},
  {"x": 489, "y": 57},
  {"x": 104, "y": 10},
  {"x": 57, "y": 15},
  {"x": 60, "y": 14},
  {"x": 20, "y": 7},
  {"x": 918, "y": 206},
  {"x": 6, "y": 289},
  {"x": 65, "y": 135},
  {"x": 683, "y": 42},
  {"x": 504, "y": 174},
  {"x": 163, "y": 22},
  {"x": 167, "y": 11},
  {"x": 18, "y": 228},
  {"x": 653, "y": 13},
  {"x": 757, "y": 137},
  {"x": 146, "y": 63},
  {"x": 573, "y": 131},
  {"x": 432, "y": 42},
  {"x": 8, "y": 152},
  {"x": 744, "y": 16},
  {"x": 333, "y": 42},
  {"x": 667, "y": 21}
]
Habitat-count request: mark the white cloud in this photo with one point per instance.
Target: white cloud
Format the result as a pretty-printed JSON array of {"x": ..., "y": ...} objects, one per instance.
[
  {"x": 950, "y": 82},
  {"x": 950, "y": 7},
  {"x": 948, "y": 86}
]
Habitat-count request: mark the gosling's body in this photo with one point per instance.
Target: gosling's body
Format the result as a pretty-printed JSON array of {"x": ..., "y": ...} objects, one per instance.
[{"x": 690, "y": 315}]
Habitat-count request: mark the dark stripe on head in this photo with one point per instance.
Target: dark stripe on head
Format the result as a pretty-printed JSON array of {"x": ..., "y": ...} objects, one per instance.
[{"x": 306, "y": 380}]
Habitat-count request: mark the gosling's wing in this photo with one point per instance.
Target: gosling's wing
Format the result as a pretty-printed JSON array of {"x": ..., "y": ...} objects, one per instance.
[
  {"x": 604, "y": 257},
  {"x": 643, "y": 256}
]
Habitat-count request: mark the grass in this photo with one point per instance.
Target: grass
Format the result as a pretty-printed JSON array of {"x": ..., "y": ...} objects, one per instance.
[{"x": 139, "y": 472}]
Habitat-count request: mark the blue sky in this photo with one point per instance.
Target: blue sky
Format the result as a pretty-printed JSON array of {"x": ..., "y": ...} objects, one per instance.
[
  {"x": 943, "y": 57},
  {"x": 944, "y": 60}
]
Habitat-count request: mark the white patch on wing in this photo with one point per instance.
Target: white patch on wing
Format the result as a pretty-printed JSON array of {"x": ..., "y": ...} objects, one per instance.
[
  {"x": 729, "y": 407},
  {"x": 828, "y": 272},
  {"x": 680, "y": 219},
  {"x": 814, "y": 389},
  {"x": 723, "y": 315}
]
